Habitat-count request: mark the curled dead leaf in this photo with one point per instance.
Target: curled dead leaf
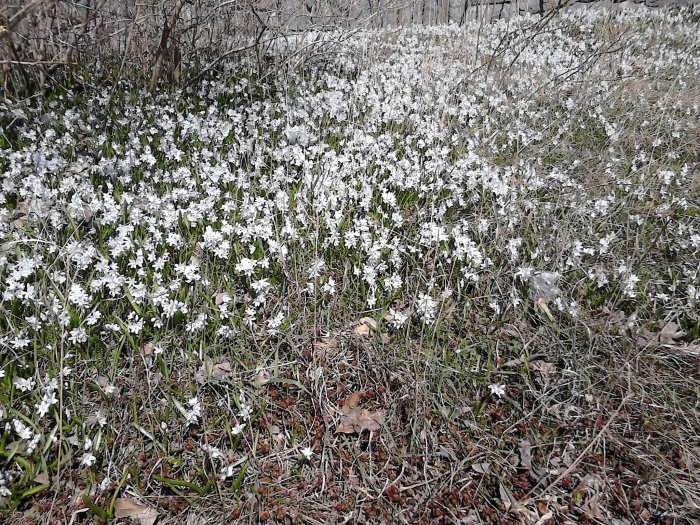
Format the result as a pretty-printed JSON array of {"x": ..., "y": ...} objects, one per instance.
[
  {"x": 325, "y": 346},
  {"x": 543, "y": 367},
  {"x": 542, "y": 305},
  {"x": 352, "y": 401},
  {"x": 525, "y": 454},
  {"x": 221, "y": 298},
  {"x": 482, "y": 468},
  {"x": 670, "y": 332},
  {"x": 365, "y": 326},
  {"x": 262, "y": 377},
  {"x": 130, "y": 508},
  {"x": 358, "y": 420},
  {"x": 147, "y": 348},
  {"x": 506, "y": 496},
  {"x": 221, "y": 370}
]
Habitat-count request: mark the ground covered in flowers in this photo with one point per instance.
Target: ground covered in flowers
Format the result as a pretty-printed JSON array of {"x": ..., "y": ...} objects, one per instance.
[{"x": 438, "y": 275}]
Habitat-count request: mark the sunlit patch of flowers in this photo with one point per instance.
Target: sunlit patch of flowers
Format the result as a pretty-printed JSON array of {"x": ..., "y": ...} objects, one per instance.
[{"x": 408, "y": 183}]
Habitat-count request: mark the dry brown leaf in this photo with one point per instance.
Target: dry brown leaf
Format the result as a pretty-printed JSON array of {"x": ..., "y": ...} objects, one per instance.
[
  {"x": 147, "y": 348},
  {"x": 543, "y": 367},
  {"x": 325, "y": 345},
  {"x": 42, "y": 479},
  {"x": 351, "y": 402},
  {"x": 525, "y": 454},
  {"x": 221, "y": 370},
  {"x": 262, "y": 377},
  {"x": 130, "y": 508},
  {"x": 506, "y": 496},
  {"x": 361, "y": 329},
  {"x": 358, "y": 420},
  {"x": 482, "y": 468},
  {"x": 220, "y": 298},
  {"x": 670, "y": 332},
  {"x": 542, "y": 305},
  {"x": 365, "y": 326}
]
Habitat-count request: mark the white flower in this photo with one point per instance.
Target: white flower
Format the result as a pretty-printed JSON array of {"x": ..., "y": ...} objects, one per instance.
[
  {"x": 195, "y": 413},
  {"x": 276, "y": 321},
  {"x": 426, "y": 307},
  {"x": 87, "y": 460},
  {"x": 398, "y": 318},
  {"x": 316, "y": 268},
  {"x": 78, "y": 297},
  {"x": 329, "y": 287},
  {"x": 246, "y": 266},
  {"x": 245, "y": 412},
  {"x": 212, "y": 451},
  {"x": 307, "y": 452},
  {"x": 23, "y": 431},
  {"x": 226, "y": 472},
  {"x": 497, "y": 389},
  {"x": 24, "y": 385}
]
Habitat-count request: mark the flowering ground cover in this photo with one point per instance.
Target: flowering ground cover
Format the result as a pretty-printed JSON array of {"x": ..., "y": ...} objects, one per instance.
[{"x": 436, "y": 275}]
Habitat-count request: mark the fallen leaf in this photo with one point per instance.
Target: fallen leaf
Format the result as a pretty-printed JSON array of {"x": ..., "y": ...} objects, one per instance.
[
  {"x": 325, "y": 346},
  {"x": 352, "y": 401},
  {"x": 365, "y": 326},
  {"x": 221, "y": 298},
  {"x": 670, "y": 332},
  {"x": 221, "y": 370},
  {"x": 130, "y": 508},
  {"x": 482, "y": 468},
  {"x": 361, "y": 329},
  {"x": 543, "y": 367},
  {"x": 506, "y": 496},
  {"x": 262, "y": 377},
  {"x": 358, "y": 420},
  {"x": 42, "y": 479},
  {"x": 542, "y": 305},
  {"x": 525, "y": 454},
  {"x": 147, "y": 349}
]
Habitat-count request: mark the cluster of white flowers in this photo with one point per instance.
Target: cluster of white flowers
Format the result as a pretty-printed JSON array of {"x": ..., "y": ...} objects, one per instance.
[{"x": 405, "y": 180}]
